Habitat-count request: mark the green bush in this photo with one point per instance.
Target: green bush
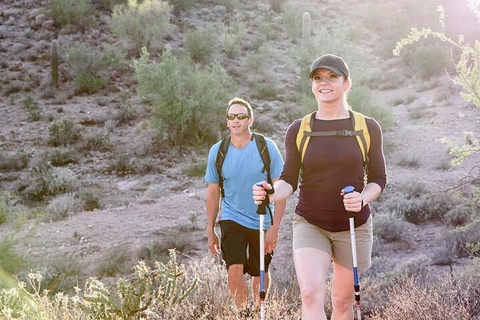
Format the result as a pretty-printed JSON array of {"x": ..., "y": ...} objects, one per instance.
[
  {"x": 201, "y": 43},
  {"x": 188, "y": 100},
  {"x": 34, "y": 111},
  {"x": 141, "y": 21},
  {"x": 70, "y": 12},
  {"x": 14, "y": 162},
  {"x": 50, "y": 181},
  {"x": 60, "y": 206},
  {"x": 431, "y": 60},
  {"x": 98, "y": 141},
  {"x": 458, "y": 216},
  {"x": 89, "y": 65},
  {"x": 62, "y": 133},
  {"x": 182, "y": 5},
  {"x": 427, "y": 207},
  {"x": 276, "y": 5},
  {"x": 233, "y": 38},
  {"x": 61, "y": 156},
  {"x": 123, "y": 164},
  {"x": 461, "y": 241},
  {"x": 389, "y": 227},
  {"x": 10, "y": 260},
  {"x": 196, "y": 169},
  {"x": 90, "y": 199}
]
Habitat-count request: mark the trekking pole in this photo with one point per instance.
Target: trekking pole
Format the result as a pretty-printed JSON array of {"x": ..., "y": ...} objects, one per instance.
[
  {"x": 261, "y": 211},
  {"x": 356, "y": 284}
]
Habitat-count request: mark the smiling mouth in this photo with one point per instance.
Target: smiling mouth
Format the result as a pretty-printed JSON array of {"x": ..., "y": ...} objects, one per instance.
[{"x": 326, "y": 91}]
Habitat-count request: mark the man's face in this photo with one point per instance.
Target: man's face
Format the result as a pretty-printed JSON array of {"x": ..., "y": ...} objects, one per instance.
[{"x": 241, "y": 121}]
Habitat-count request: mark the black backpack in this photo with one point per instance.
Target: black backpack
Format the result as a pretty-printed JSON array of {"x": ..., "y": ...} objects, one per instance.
[{"x": 262, "y": 149}]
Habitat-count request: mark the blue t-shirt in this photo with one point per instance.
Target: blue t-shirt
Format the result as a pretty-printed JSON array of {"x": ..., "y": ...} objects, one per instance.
[{"x": 242, "y": 168}]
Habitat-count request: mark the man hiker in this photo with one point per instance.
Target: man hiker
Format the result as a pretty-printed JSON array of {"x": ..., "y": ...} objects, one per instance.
[{"x": 242, "y": 155}]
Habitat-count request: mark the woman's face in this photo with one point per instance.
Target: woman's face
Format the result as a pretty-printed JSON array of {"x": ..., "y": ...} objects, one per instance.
[{"x": 327, "y": 86}]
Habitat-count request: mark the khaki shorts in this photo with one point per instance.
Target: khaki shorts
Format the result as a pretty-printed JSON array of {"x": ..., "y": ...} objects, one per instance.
[{"x": 337, "y": 244}]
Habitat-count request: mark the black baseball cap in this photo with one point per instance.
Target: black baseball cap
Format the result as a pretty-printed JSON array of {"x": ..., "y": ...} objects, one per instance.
[{"x": 331, "y": 62}]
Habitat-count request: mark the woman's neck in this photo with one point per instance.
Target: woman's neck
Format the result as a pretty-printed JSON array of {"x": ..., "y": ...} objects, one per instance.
[{"x": 327, "y": 112}]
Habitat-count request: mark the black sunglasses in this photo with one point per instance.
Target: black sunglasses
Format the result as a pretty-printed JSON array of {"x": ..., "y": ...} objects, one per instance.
[{"x": 240, "y": 116}]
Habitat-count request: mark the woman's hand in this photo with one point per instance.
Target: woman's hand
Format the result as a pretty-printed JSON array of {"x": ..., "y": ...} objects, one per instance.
[{"x": 353, "y": 201}]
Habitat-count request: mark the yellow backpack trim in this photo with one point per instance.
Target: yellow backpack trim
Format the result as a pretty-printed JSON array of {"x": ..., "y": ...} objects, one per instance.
[{"x": 360, "y": 131}]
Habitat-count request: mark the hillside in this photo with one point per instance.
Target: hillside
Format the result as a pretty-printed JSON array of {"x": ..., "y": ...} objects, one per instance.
[{"x": 144, "y": 198}]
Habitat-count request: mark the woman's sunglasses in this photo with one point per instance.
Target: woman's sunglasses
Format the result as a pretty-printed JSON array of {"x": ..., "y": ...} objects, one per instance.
[{"x": 240, "y": 116}]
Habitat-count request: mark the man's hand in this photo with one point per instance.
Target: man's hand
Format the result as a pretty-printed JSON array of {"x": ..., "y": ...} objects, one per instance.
[
  {"x": 214, "y": 243},
  {"x": 271, "y": 239},
  {"x": 260, "y": 192}
]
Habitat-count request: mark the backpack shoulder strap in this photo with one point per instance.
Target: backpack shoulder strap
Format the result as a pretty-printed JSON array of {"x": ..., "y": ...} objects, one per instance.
[
  {"x": 303, "y": 138},
  {"x": 222, "y": 152},
  {"x": 264, "y": 153},
  {"x": 363, "y": 137}
]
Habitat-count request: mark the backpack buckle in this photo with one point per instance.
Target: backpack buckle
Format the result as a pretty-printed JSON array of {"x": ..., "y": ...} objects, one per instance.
[{"x": 346, "y": 133}]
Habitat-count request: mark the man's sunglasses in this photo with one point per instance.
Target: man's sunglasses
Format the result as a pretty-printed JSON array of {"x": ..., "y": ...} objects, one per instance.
[{"x": 240, "y": 116}]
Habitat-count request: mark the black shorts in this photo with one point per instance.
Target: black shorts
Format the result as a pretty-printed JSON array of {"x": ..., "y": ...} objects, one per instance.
[{"x": 241, "y": 245}]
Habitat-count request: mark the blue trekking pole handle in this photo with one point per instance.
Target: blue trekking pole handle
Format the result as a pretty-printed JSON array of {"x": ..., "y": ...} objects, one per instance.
[{"x": 356, "y": 283}]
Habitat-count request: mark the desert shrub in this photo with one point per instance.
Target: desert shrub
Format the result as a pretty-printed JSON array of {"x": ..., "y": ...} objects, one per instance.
[
  {"x": 160, "y": 250},
  {"x": 389, "y": 227},
  {"x": 463, "y": 241},
  {"x": 14, "y": 162},
  {"x": 59, "y": 275},
  {"x": 409, "y": 161},
  {"x": 50, "y": 181},
  {"x": 420, "y": 302},
  {"x": 62, "y": 132},
  {"x": 431, "y": 60},
  {"x": 98, "y": 141},
  {"x": 11, "y": 261},
  {"x": 113, "y": 263},
  {"x": 182, "y": 5},
  {"x": 61, "y": 156},
  {"x": 163, "y": 285},
  {"x": 89, "y": 65},
  {"x": 292, "y": 20},
  {"x": 4, "y": 206},
  {"x": 276, "y": 5},
  {"x": 123, "y": 163},
  {"x": 61, "y": 205},
  {"x": 233, "y": 38},
  {"x": 70, "y": 12},
  {"x": 427, "y": 208},
  {"x": 90, "y": 199},
  {"x": 466, "y": 65},
  {"x": 187, "y": 99},
  {"x": 34, "y": 111},
  {"x": 201, "y": 44},
  {"x": 108, "y": 4},
  {"x": 457, "y": 216},
  {"x": 196, "y": 169},
  {"x": 141, "y": 21},
  {"x": 126, "y": 113}
]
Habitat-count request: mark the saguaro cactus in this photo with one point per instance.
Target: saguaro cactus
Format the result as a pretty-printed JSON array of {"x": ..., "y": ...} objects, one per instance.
[
  {"x": 54, "y": 62},
  {"x": 306, "y": 31}
]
